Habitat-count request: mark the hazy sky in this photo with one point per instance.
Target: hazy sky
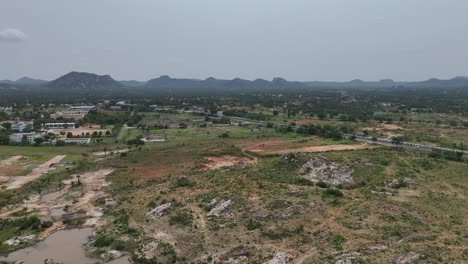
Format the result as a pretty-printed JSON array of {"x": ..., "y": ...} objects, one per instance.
[{"x": 295, "y": 39}]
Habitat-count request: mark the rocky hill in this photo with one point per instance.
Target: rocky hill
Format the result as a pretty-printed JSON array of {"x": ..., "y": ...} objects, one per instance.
[{"x": 83, "y": 80}]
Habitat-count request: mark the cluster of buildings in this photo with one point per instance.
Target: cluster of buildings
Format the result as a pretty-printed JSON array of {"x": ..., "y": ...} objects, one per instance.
[
  {"x": 66, "y": 132},
  {"x": 28, "y": 138}
]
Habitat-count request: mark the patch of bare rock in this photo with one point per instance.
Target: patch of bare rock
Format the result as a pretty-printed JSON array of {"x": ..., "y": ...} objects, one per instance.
[
  {"x": 318, "y": 169},
  {"x": 280, "y": 258},
  {"x": 407, "y": 258},
  {"x": 159, "y": 211},
  {"x": 219, "y": 207}
]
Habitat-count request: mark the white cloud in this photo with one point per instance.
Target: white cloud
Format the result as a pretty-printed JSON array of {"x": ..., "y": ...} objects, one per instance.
[{"x": 12, "y": 35}]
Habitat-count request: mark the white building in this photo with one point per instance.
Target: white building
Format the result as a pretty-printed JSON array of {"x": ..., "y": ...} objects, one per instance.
[
  {"x": 21, "y": 126},
  {"x": 77, "y": 115},
  {"x": 59, "y": 125},
  {"x": 18, "y": 137}
]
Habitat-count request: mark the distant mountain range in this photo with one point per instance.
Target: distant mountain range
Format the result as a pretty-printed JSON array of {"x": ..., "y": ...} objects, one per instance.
[
  {"x": 90, "y": 81},
  {"x": 25, "y": 81}
]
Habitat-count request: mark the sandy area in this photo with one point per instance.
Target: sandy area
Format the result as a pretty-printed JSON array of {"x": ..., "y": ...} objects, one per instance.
[
  {"x": 218, "y": 162},
  {"x": 16, "y": 182},
  {"x": 383, "y": 127}
]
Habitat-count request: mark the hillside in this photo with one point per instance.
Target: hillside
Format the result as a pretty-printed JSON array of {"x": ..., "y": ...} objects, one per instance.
[{"x": 82, "y": 80}]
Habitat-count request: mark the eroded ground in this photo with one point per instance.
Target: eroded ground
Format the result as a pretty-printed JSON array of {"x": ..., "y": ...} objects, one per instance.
[{"x": 204, "y": 198}]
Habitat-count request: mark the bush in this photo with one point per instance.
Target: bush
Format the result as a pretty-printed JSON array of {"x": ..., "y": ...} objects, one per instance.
[
  {"x": 183, "y": 182},
  {"x": 252, "y": 225},
  {"x": 330, "y": 192},
  {"x": 103, "y": 241},
  {"x": 321, "y": 184},
  {"x": 224, "y": 135}
]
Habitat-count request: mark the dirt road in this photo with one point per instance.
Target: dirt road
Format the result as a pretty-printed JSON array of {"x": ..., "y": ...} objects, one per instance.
[{"x": 16, "y": 182}]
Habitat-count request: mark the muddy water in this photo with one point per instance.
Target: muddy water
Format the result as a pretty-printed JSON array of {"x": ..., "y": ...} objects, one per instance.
[{"x": 65, "y": 246}]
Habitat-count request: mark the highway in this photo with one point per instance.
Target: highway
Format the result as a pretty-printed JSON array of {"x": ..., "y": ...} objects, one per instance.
[{"x": 406, "y": 145}]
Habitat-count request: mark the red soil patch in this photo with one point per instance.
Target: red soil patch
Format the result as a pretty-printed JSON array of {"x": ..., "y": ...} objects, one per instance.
[
  {"x": 264, "y": 145},
  {"x": 146, "y": 172},
  {"x": 10, "y": 170}
]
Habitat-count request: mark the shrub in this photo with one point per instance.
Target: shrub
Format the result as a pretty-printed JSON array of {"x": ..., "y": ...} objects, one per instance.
[
  {"x": 183, "y": 182},
  {"x": 321, "y": 184},
  {"x": 337, "y": 241},
  {"x": 252, "y": 225},
  {"x": 103, "y": 241},
  {"x": 330, "y": 192}
]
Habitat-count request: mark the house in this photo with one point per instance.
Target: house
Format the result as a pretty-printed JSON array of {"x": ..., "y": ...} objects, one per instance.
[
  {"x": 153, "y": 138},
  {"x": 77, "y": 141},
  {"x": 59, "y": 125},
  {"x": 29, "y": 137},
  {"x": 21, "y": 126},
  {"x": 83, "y": 107}
]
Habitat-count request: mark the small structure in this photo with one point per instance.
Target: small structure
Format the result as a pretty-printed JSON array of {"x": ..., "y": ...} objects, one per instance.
[
  {"x": 77, "y": 141},
  {"x": 154, "y": 138}
]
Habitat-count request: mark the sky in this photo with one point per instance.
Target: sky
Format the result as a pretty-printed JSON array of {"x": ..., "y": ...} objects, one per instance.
[{"x": 302, "y": 40}]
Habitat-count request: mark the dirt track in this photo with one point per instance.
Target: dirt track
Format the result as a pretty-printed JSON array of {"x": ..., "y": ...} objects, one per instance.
[{"x": 16, "y": 182}]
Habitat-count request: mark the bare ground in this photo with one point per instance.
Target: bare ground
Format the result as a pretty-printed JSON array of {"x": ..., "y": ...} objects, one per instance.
[
  {"x": 15, "y": 182},
  {"x": 218, "y": 162},
  {"x": 10, "y": 160},
  {"x": 315, "y": 149}
]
